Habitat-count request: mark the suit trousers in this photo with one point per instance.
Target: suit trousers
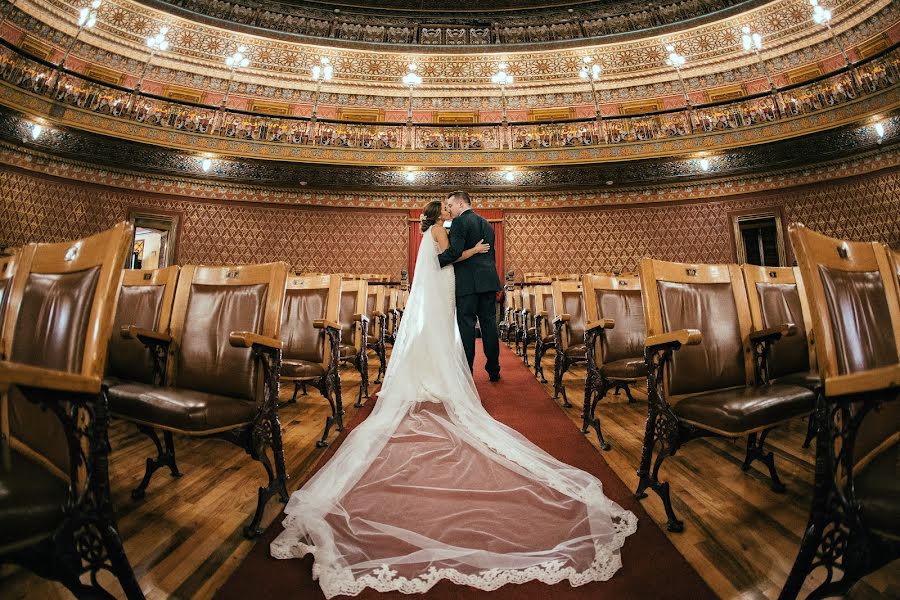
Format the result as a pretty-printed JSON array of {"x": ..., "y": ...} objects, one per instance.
[{"x": 483, "y": 307}]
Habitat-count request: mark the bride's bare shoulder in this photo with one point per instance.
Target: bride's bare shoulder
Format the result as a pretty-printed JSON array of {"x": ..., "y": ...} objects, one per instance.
[{"x": 438, "y": 232}]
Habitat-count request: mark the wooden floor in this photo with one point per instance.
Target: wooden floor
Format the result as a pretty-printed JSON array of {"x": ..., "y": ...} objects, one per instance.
[{"x": 184, "y": 539}]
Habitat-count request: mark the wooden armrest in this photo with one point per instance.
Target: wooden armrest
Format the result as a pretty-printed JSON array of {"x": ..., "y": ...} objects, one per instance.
[
  {"x": 246, "y": 339},
  {"x": 682, "y": 337},
  {"x": 774, "y": 333},
  {"x": 543, "y": 314},
  {"x": 864, "y": 381},
  {"x": 359, "y": 317},
  {"x": 12, "y": 373},
  {"x": 377, "y": 313},
  {"x": 601, "y": 323},
  {"x": 323, "y": 323},
  {"x": 133, "y": 332},
  {"x": 565, "y": 318}
]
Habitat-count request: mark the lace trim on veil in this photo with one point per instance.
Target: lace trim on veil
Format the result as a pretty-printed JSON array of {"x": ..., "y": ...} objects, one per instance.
[{"x": 336, "y": 581}]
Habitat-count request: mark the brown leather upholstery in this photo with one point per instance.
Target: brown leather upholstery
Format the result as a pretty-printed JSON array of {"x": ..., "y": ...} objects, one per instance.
[
  {"x": 573, "y": 306},
  {"x": 626, "y": 339},
  {"x": 180, "y": 408},
  {"x": 345, "y": 316},
  {"x": 31, "y": 501},
  {"x": 206, "y": 360},
  {"x": 625, "y": 368},
  {"x": 576, "y": 351},
  {"x": 50, "y": 332},
  {"x": 717, "y": 362},
  {"x": 53, "y": 317},
  {"x": 878, "y": 490},
  {"x": 301, "y": 369},
  {"x": 859, "y": 311},
  {"x": 804, "y": 378},
  {"x": 302, "y": 341},
  {"x": 737, "y": 411},
  {"x": 779, "y": 303},
  {"x": 129, "y": 359}
]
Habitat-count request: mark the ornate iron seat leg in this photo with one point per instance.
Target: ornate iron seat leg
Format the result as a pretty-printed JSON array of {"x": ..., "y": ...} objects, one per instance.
[
  {"x": 595, "y": 388},
  {"x": 164, "y": 458},
  {"x": 263, "y": 434},
  {"x": 755, "y": 451},
  {"x": 662, "y": 426}
]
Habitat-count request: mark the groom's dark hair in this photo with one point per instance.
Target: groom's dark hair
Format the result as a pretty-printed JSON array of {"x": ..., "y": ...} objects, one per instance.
[{"x": 461, "y": 194}]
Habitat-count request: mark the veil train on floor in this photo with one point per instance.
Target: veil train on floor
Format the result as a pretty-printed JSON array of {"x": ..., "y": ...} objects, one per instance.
[{"x": 430, "y": 487}]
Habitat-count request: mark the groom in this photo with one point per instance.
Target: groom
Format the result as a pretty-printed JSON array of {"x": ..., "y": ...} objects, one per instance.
[{"x": 477, "y": 282}]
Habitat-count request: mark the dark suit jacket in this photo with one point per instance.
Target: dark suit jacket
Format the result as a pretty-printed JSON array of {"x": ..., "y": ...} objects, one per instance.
[{"x": 478, "y": 274}]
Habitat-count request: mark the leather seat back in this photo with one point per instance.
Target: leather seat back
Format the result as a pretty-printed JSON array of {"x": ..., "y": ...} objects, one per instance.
[
  {"x": 145, "y": 300},
  {"x": 568, "y": 299},
  {"x": 854, "y": 302},
  {"x": 212, "y": 302},
  {"x": 626, "y": 339},
  {"x": 711, "y": 299},
  {"x": 308, "y": 299},
  {"x": 353, "y": 302},
  {"x": 779, "y": 304},
  {"x": 60, "y": 302}
]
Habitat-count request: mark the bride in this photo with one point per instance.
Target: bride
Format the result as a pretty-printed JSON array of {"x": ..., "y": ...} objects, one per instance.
[{"x": 430, "y": 487}]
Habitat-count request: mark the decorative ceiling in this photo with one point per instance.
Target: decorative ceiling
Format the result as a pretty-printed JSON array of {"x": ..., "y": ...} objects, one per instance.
[
  {"x": 807, "y": 77},
  {"x": 465, "y": 23}
]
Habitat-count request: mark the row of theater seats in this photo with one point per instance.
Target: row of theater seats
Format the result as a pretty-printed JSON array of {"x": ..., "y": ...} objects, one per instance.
[
  {"x": 196, "y": 350},
  {"x": 735, "y": 351}
]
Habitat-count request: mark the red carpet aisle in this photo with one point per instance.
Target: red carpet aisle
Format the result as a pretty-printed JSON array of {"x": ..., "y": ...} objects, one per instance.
[{"x": 652, "y": 568}]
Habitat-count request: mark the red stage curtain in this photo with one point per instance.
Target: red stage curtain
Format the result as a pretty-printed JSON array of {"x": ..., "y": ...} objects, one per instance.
[{"x": 495, "y": 216}]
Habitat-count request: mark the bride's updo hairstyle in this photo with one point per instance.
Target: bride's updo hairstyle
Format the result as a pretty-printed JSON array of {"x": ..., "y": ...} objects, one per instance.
[{"x": 431, "y": 214}]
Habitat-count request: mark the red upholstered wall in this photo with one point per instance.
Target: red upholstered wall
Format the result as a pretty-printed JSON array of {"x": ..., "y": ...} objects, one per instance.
[
  {"x": 615, "y": 239},
  {"x": 35, "y": 206}
]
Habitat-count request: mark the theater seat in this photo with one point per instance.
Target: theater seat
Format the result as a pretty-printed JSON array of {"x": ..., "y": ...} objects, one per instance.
[
  {"x": 377, "y": 333},
  {"x": 705, "y": 374},
  {"x": 853, "y": 529},
  {"x": 355, "y": 330},
  {"x": 221, "y": 377},
  {"x": 311, "y": 335},
  {"x": 614, "y": 341},
  {"x": 568, "y": 331},
  {"x": 56, "y": 314}
]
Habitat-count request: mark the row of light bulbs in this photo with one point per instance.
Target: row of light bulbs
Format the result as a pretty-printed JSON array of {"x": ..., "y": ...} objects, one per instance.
[{"x": 591, "y": 70}]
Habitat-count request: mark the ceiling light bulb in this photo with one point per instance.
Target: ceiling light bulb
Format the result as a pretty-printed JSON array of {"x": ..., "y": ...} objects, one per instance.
[
  {"x": 206, "y": 164},
  {"x": 36, "y": 131},
  {"x": 704, "y": 164},
  {"x": 410, "y": 176},
  {"x": 879, "y": 129},
  {"x": 509, "y": 176},
  {"x": 587, "y": 60}
]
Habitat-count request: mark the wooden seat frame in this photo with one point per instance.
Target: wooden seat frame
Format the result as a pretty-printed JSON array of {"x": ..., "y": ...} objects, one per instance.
[
  {"x": 597, "y": 384},
  {"x": 836, "y": 537},
  {"x": 262, "y": 434},
  {"x": 88, "y": 541},
  {"x": 664, "y": 428}
]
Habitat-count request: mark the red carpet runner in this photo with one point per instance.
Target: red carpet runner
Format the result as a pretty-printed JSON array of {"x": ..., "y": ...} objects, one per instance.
[{"x": 652, "y": 567}]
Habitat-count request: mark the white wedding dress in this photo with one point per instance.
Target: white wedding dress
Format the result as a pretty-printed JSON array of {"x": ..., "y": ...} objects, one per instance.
[{"x": 430, "y": 487}]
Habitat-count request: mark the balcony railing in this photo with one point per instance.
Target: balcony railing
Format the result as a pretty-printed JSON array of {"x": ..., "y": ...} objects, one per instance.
[{"x": 866, "y": 77}]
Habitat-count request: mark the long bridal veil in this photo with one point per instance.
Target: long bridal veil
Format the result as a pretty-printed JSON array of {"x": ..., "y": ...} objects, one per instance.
[{"x": 430, "y": 487}]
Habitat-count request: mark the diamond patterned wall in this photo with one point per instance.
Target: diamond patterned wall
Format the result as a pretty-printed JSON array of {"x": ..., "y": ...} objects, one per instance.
[
  {"x": 581, "y": 241},
  {"x": 37, "y": 208}
]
